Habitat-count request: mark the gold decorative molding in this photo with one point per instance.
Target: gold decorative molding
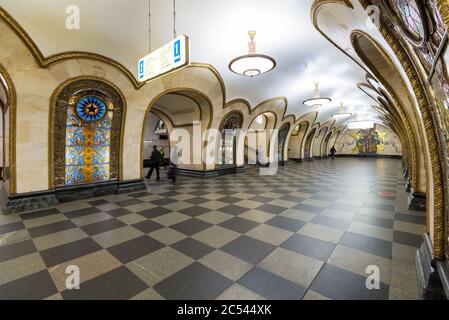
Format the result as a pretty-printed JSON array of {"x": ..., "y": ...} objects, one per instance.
[
  {"x": 443, "y": 7},
  {"x": 12, "y": 105},
  {"x": 432, "y": 137}
]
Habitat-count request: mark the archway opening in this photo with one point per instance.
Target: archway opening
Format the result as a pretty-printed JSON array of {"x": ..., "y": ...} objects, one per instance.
[
  {"x": 296, "y": 141},
  {"x": 156, "y": 134},
  {"x": 177, "y": 117},
  {"x": 282, "y": 137},
  {"x": 308, "y": 145},
  {"x": 227, "y": 146}
]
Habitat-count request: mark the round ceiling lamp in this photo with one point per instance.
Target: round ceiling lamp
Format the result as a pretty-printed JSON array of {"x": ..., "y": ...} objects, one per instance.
[
  {"x": 317, "y": 100},
  {"x": 252, "y": 64},
  {"x": 341, "y": 113}
]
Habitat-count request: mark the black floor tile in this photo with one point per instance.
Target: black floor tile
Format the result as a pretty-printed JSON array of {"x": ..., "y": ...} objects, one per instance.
[
  {"x": 147, "y": 226},
  {"x": 118, "y": 212},
  {"x": 375, "y": 221},
  {"x": 195, "y": 282},
  {"x": 234, "y": 210},
  {"x": 191, "y": 226},
  {"x": 193, "y": 248},
  {"x": 408, "y": 239},
  {"x": 102, "y": 226},
  {"x": 70, "y": 251},
  {"x": 135, "y": 248},
  {"x": 410, "y": 218},
  {"x": 154, "y": 212},
  {"x": 119, "y": 284},
  {"x": 11, "y": 227},
  {"x": 271, "y": 286},
  {"x": 308, "y": 208},
  {"x": 239, "y": 225},
  {"x": 81, "y": 212},
  {"x": 308, "y": 246},
  {"x": 37, "y": 286},
  {"x": 339, "y": 284},
  {"x": 17, "y": 249},
  {"x": 368, "y": 244},
  {"x": 39, "y": 214},
  {"x": 194, "y": 211},
  {"x": 270, "y": 208},
  {"x": 51, "y": 228},
  {"x": 331, "y": 222},
  {"x": 248, "y": 249},
  {"x": 285, "y": 223}
]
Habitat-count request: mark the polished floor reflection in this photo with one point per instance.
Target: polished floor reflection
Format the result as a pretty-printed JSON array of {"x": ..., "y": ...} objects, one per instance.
[{"x": 310, "y": 232}]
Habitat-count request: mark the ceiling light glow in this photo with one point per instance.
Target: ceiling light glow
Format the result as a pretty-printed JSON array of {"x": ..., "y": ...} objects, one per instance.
[{"x": 252, "y": 64}]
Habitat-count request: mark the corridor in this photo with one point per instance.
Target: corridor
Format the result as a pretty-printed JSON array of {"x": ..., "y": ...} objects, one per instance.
[{"x": 312, "y": 231}]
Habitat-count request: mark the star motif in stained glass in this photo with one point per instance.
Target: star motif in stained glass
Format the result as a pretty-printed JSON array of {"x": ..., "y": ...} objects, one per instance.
[{"x": 91, "y": 108}]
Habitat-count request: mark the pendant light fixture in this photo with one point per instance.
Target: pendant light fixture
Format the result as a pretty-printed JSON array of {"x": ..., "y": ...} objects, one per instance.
[
  {"x": 317, "y": 100},
  {"x": 341, "y": 113},
  {"x": 252, "y": 64}
]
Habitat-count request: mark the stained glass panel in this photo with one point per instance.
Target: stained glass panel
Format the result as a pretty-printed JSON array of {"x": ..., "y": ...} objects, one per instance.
[
  {"x": 91, "y": 108},
  {"x": 410, "y": 15},
  {"x": 87, "y": 147}
]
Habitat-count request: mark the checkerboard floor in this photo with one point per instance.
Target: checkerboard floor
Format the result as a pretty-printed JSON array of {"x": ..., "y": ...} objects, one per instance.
[{"x": 309, "y": 232}]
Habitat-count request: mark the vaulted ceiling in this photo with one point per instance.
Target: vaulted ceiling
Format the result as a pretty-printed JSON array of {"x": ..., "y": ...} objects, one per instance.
[{"x": 218, "y": 32}]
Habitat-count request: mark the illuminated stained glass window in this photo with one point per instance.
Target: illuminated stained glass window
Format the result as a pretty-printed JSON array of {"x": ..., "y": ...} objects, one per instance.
[
  {"x": 410, "y": 14},
  {"x": 87, "y": 134},
  {"x": 227, "y": 147},
  {"x": 282, "y": 137},
  {"x": 295, "y": 131}
]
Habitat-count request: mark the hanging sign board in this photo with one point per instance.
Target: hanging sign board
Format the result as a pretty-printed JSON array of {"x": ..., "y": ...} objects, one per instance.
[{"x": 174, "y": 55}]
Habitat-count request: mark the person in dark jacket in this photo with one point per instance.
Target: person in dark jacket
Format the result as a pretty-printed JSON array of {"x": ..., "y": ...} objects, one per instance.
[
  {"x": 155, "y": 163},
  {"x": 333, "y": 152}
]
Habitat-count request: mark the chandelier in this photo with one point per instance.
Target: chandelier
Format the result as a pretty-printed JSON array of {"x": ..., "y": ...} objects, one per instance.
[
  {"x": 317, "y": 100},
  {"x": 341, "y": 113},
  {"x": 252, "y": 64}
]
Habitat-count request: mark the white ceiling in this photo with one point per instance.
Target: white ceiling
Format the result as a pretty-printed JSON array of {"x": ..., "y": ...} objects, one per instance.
[{"x": 218, "y": 33}]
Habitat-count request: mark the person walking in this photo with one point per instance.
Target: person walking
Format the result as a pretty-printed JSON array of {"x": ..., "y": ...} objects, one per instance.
[
  {"x": 163, "y": 163},
  {"x": 333, "y": 152},
  {"x": 174, "y": 159},
  {"x": 155, "y": 163}
]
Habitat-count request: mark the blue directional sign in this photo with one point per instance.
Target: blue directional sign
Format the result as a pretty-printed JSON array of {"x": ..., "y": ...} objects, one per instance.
[
  {"x": 172, "y": 56},
  {"x": 177, "y": 50}
]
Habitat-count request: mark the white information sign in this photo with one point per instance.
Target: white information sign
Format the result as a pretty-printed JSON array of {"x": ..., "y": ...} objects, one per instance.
[{"x": 172, "y": 56}]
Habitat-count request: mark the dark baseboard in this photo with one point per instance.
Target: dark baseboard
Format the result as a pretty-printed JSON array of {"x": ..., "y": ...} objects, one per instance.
[
  {"x": 299, "y": 160},
  {"x": 371, "y": 156},
  {"x": 430, "y": 286},
  {"x": 18, "y": 203},
  {"x": 207, "y": 174},
  {"x": 26, "y": 202}
]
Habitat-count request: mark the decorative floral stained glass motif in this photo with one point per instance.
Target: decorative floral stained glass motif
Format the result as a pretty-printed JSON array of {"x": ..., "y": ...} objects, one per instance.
[
  {"x": 91, "y": 108},
  {"x": 88, "y": 145},
  {"x": 410, "y": 15},
  {"x": 282, "y": 136},
  {"x": 87, "y": 124}
]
